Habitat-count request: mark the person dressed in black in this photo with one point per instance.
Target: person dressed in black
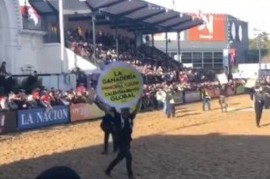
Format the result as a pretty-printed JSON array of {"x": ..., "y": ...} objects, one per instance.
[
  {"x": 124, "y": 131},
  {"x": 223, "y": 98},
  {"x": 108, "y": 125},
  {"x": 258, "y": 104}
]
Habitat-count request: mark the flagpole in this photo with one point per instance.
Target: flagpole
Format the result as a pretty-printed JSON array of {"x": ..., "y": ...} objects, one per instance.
[
  {"x": 62, "y": 34},
  {"x": 173, "y": 4}
]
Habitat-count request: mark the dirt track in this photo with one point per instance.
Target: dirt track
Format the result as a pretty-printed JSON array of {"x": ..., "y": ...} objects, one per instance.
[{"x": 196, "y": 144}]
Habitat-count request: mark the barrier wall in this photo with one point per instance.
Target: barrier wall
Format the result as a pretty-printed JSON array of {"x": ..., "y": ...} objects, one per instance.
[
  {"x": 12, "y": 121},
  {"x": 8, "y": 122},
  {"x": 84, "y": 111},
  {"x": 178, "y": 97},
  {"x": 192, "y": 96},
  {"x": 37, "y": 118}
]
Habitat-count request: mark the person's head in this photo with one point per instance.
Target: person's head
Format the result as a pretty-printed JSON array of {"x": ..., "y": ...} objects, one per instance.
[
  {"x": 125, "y": 112},
  {"x": 35, "y": 73},
  {"x": 59, "y": 172},
  {"x": 3, "y": 63},
  {"x": 112, "y": 111}
]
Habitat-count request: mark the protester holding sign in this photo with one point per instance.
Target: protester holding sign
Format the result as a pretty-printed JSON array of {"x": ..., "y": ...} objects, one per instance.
[
  {"x": 120, "y": 85},
  {"x": 124, "y": 132}
]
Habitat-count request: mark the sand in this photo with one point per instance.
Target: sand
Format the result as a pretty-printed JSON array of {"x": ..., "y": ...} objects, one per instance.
[{"x": 195, "y": 144}]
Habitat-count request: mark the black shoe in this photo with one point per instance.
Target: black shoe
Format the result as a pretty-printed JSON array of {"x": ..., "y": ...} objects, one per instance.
[
  {"x": 108, "y": 173},
  {"x": 131, "y": 177},
  {"x": 104, "y": 153}
]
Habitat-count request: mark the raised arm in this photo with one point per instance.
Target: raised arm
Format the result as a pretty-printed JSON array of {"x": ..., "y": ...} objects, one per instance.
[{"x": 137, "y": 108}]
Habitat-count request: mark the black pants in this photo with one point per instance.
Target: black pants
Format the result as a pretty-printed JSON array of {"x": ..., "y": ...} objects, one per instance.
[
  {"x": 106, "y": 141},
  {"x": 124, "y": 152},
  {"x": 258, "y": 110}
]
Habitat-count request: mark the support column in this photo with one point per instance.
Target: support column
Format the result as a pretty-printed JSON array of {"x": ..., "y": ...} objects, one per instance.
[
  {"x": 136, "y": 43},
  {"x": 94, "y": 33},
  {"x": 116, "y": 41},
  {"x": 62, "y": 34},
  {"x": 166, "y": 36},
  {"x": 178, "y": 47}
]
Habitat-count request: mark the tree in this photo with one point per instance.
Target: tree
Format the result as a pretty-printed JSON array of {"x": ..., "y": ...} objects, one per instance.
[{"x": 253, "y": 44}]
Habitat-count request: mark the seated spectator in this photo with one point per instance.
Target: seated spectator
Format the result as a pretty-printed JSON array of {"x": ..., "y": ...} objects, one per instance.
[
  {"x": 46, "y": 100},
  {"x": 34, "y": 99},
  {"x": 81, "y": 88},
  {"x": 3, "y": 103},
  {"x": 18, "y": 100},
  {"x": 79, "y": 98}
]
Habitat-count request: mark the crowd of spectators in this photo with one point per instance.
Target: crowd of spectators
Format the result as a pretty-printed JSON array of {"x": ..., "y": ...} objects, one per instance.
[
  {"x": 42, "y": 98},
  {"x": 160, "y": 73}
]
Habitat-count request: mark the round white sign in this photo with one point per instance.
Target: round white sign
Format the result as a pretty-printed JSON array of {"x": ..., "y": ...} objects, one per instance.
[
  {"x": 233, "y": 31},
  {"x": 120, "y": 85},
  {"x": 240, "y": 33}
]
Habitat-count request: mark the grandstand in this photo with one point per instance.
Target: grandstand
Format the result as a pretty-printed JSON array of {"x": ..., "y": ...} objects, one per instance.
[{"x": 39, "y": 33}]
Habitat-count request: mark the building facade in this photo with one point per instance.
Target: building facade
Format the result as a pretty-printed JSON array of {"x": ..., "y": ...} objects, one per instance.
[{"x": 221, "y": 42}]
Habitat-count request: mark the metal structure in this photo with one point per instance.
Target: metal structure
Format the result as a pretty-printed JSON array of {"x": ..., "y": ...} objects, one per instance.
[{"x": 136, "y": 16}]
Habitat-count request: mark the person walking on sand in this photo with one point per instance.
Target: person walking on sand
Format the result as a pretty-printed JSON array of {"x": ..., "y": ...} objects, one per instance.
[
  {"x": 223, "y": 98},
  {"x": 108, "y": 125},
  {"x": 124, "y": 139},
  {"x": 258, "y": 104},
  {"x": 205, "y": 99}
]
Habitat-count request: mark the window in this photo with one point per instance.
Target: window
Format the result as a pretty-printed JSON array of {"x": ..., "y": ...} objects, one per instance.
[
  {"x": 197, "y": 57},
  {"x": 218, "y": 60},
  {"x": 208, "y": 57},
  {"x": 197, "y": 65},
  {"x": 218, "y": 55},
  {"x": 186, "y": 57},
  {"x": 208, "y": 66},
  {"x": 218, "y": 65}
]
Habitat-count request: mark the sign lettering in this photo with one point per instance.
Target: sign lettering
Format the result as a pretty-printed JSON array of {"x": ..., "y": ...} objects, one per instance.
[
  {"x": 34, "y": 118},
  {"x": 208, "y": 26},
  {"x": 120, "y": 85}
]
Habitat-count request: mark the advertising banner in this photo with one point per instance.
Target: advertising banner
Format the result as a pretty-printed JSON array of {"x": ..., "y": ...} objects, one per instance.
[
  {"x": 240, "y": 89},
  {"x": 222, "y": 78},
  {"x": 213, "y": 93},
  {"x": 120, "y": 85},
  {"x": 250, "y": 83},
  {"x": 36, "y": 118},
  {"x": 7, "y": 122},
  {"x": 230, "y": 91},
  {"x": 192, "y": 96},
  {"x": 84, "y": 111},
  {"x": 178, "y": 97},
  {"x": 212, "y": 30}
]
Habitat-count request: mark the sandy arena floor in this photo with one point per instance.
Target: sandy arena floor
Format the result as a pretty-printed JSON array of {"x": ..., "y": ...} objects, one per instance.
[{"x": 195, "y": 145}]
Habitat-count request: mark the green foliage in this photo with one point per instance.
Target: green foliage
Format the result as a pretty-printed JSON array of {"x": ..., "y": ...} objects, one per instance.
[{"x": 265, "y": 42}]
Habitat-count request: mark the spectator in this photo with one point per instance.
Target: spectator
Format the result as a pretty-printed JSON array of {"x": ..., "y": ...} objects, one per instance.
[{"x": 3, "y": 70}]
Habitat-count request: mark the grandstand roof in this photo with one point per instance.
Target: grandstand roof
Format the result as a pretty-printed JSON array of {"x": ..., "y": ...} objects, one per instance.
[{"x": 133, "y": 15}]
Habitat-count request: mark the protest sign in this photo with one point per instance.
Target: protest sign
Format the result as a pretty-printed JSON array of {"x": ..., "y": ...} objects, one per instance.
[
  {"x": 120, "y": 85},
  {"x": 222, "y": 78},
  {"x": 251, "y": 83}
]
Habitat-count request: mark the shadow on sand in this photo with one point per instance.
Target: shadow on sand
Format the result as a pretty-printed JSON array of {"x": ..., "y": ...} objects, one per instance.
[{"x": 163, "y": 157}]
